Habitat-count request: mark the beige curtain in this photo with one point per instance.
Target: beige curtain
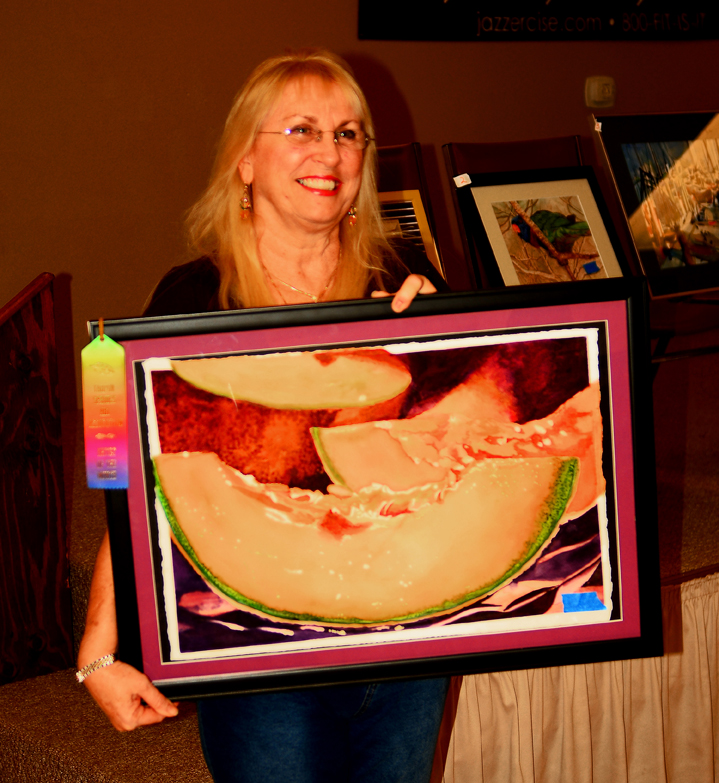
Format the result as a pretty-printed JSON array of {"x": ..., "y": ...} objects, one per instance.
[{"x": 652, "y": 720}]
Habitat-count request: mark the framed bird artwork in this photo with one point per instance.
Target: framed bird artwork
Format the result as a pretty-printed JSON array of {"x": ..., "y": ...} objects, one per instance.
[{"x": 539, "y": 226}]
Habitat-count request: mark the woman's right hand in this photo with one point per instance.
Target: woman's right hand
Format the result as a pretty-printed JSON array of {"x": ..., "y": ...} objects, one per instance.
[
  {"x": 413, "y": 284},
  {"x": 125, "y": 695}
]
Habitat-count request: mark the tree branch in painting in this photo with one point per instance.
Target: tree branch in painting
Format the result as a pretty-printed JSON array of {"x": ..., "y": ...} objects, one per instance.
[{"x": 549, "y": 240}]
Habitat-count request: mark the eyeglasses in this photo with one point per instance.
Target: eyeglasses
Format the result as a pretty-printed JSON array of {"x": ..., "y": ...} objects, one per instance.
[{"x": 303, "y": 135}]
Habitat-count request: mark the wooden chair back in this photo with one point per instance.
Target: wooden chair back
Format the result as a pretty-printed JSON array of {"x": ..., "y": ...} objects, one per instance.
[{"x": 35, "y": 607}]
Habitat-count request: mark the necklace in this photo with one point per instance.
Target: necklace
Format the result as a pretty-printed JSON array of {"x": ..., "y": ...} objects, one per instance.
[{"x": 313, "y": 297}]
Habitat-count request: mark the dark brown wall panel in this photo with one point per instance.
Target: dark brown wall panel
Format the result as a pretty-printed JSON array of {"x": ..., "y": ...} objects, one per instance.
[{"x": 35, "y": 621}]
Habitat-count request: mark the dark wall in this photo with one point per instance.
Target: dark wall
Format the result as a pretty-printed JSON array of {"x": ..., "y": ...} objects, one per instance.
[{"x": 110, "y": 113}]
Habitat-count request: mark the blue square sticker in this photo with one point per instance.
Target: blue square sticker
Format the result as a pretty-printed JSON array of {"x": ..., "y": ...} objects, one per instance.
[{"x": 582, "y": 602}]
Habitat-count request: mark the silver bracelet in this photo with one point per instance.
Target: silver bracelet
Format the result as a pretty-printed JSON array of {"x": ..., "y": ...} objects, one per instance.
[{"x": 100, "y": 663}]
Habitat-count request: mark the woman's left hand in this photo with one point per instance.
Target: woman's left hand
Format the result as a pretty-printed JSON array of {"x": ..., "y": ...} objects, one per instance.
[{"x": 413, "y": 285}]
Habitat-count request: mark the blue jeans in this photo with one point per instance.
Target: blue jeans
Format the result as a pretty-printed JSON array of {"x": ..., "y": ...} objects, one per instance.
[{"x": 378, "y": 733}]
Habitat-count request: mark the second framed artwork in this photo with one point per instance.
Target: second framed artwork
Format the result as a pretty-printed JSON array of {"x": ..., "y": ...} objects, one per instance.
[
  {"x": 539, "y": 226},
  {"x": 333, "y": 494},
  {"x": 666, "y": 170}
]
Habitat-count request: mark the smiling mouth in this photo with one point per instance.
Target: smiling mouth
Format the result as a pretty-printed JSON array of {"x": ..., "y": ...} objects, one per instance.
[{"x": 320, "y": 183}]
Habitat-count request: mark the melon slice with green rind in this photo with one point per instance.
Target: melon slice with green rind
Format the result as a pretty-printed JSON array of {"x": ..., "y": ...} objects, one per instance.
[
  {"x": 360, "y": 455},
  {"x": 307, "y": 380},
  {"x": 375, "y": 557},
  {"x": 403, "y": 453}
]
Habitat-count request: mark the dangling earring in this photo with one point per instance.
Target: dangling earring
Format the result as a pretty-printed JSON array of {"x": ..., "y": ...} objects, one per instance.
[
  {"x": 245, "y": 204},
  {"x": 352, "y": 216}
]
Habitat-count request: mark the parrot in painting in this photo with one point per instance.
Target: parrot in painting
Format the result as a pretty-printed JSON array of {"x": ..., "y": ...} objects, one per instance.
[{"x": 561, "y": 230}]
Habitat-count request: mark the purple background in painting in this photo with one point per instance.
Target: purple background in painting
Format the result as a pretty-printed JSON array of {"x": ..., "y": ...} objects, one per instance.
[
  {"x": 405, "y": 328},
  {"x": 570, "y": 560}
]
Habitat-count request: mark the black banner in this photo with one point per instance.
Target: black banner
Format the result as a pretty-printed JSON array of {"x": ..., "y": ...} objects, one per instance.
[{"x": 538, "y": 20}]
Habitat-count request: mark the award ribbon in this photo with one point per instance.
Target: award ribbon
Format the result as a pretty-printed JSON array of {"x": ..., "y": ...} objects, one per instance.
[{"x": 104, "y": 398}]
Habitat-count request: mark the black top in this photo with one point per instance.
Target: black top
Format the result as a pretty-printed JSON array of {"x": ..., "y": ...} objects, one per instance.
[{"x": 194, "y": 287}]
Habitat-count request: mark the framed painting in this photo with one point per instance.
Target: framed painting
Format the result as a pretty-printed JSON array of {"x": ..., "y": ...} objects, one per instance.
[
  {"x": 666, "y": 171},
  {"x": 336, "y": 493},
  {"x": 539, "y": 226},
  {"x": 404, "y": 215}
]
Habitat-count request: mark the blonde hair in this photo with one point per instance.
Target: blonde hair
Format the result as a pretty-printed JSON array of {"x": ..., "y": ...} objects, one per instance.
[{"x": 214, "y": 223}]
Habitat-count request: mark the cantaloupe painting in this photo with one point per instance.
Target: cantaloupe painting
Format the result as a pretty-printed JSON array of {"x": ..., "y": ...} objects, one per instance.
[{"x": 364, "y": 487}]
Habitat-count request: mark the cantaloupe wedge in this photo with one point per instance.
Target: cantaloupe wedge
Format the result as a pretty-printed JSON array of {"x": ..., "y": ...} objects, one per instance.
[
  {"x": 404, "y": 453},
  {"x": 307, "y": 380},
  {"x": 398, "y": 454},
  {"x": 374, "y": 557}
]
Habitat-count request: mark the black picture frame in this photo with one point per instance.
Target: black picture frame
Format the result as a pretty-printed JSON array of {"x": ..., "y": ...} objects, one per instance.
[
  {"x": 490, "y": 202},
  {"x": 659, "y": 156},
  {"x": 404, "y": 215},
  {"x": 614, "y": 309}
]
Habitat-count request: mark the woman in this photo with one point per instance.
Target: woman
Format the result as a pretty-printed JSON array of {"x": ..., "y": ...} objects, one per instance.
[{"x": 290, "y": 216}]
